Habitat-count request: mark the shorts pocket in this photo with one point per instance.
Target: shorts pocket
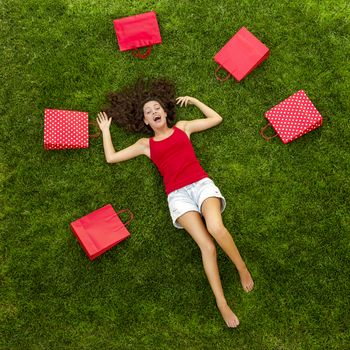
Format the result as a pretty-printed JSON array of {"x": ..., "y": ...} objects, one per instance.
[{"x": 206, "y": 181}]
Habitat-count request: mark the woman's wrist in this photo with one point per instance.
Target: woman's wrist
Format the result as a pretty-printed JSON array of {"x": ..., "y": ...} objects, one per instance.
[
  {"x": 195, "y": 101},
  {"x": 105, "y": 131}
]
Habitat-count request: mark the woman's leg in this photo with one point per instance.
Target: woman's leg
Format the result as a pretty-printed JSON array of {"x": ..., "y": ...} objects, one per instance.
[
  {"x": 211, "y": 210},
  {"x": 193, "y": 224}
]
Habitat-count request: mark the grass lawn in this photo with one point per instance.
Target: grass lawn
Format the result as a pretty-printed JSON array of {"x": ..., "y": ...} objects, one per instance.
[{"x": 288, "y": 205}]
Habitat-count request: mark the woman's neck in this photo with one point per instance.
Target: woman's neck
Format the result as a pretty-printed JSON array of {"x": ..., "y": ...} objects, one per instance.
[{"x": 163, "y": 133}]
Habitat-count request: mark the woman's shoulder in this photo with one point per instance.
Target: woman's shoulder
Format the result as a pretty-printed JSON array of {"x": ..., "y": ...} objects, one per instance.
[
  {"x": 143, "y": 141},
  {"x": 182, "y": 125}
]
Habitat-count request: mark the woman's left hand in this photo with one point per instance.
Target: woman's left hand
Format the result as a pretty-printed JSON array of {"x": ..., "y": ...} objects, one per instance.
[{"x": 185, "y": 100}]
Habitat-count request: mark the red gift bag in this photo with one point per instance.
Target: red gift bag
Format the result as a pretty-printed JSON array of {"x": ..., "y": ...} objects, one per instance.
[
  {"x": 138, "y": 31},
  {"x": 100, "y": 230},
  {"x": 292, "y": 118},
  {"x": 65, "y": 129},
  {"x": 241, "y": 54}
]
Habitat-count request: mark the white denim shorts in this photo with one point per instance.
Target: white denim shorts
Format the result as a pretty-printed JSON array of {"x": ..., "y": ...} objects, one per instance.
[{"x": 191, "y": 198}]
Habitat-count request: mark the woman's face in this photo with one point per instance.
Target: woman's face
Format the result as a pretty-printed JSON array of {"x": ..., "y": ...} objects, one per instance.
[{"x": 154, "y": 114}]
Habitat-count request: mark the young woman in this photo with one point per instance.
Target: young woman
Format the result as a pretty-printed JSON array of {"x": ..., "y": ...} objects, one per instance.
[{"x": 191, "y": 194}]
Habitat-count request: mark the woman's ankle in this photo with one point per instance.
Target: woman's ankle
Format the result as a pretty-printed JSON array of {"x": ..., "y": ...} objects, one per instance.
[
  {"x": 221, "y": 301},
  {"x": 241, "y": 267}
]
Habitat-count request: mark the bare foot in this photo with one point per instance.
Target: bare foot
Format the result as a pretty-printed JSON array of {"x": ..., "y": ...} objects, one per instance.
[
  {"x": 229, "y": 317},
  {"x": 246, "y": 280}
]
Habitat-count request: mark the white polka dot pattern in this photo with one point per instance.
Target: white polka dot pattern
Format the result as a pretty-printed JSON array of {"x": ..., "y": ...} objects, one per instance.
[
  {"x": 65, "y": 129},
  {"x": 294, "y": 117}
]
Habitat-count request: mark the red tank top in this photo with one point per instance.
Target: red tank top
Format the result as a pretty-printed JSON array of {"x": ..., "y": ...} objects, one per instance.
[{"x": 176, "y": 160}]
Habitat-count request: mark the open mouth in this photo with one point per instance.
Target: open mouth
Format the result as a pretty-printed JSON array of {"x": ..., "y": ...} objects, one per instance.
[{"x": 157, "y": 118}]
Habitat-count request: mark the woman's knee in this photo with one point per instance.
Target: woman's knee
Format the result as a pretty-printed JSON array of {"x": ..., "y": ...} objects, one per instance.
[
  {"x": 217, "y": 229},
  {"x": 208, "y": 247}
]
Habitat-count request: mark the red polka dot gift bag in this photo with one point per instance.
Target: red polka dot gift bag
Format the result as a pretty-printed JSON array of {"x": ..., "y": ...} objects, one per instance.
[
  {"x": 292, "y": 118},
  {"x": 240, "y": 55},
  {"x": 138, "y": 31},
  {"x": 65, "y": 129}
]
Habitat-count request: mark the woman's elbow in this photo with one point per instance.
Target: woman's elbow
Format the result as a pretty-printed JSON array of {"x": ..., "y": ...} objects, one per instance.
[{"x": 109, "y": 160}]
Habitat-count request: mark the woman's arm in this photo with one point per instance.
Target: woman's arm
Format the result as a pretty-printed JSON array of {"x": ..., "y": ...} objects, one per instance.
[
  {"x": 212, "y": 118},
  {"x": 141, "y": 147}
]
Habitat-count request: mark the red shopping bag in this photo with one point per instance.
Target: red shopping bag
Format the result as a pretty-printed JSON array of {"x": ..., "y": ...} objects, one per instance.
[
  {"x": 292, "y": 118},
  {"x": 138, "y": 31},
  {"x": 100, "y": 230},
  {"x": 240, "y": 55},
  {"x": 65, "y": 129}
]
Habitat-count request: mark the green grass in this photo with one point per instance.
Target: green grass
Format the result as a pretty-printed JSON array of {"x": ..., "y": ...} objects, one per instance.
[{"x": 288, "y": 205}]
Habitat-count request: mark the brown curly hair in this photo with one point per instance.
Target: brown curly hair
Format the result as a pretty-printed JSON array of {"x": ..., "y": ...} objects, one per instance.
[{"x": 126, "y": 106}]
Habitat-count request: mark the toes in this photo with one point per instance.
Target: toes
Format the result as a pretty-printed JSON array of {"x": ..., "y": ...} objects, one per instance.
[
  {"x": 233, "y": 323},
  {"x": 248, "y": 287}
]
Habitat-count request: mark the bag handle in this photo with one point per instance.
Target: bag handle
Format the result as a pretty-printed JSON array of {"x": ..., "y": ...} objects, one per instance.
[
  {"x": 217, "y": 77},
  {"x": 130, "y": 214},
  {"x": 96, "y": 134},
  {"x": 136, "y": 53},
  {"x": 262, "y": 133}
]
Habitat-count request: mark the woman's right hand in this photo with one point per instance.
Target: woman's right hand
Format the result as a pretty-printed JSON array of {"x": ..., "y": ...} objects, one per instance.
[
  {"x": 103, "y": 121},
  {"x": 185, "y": 100}
]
